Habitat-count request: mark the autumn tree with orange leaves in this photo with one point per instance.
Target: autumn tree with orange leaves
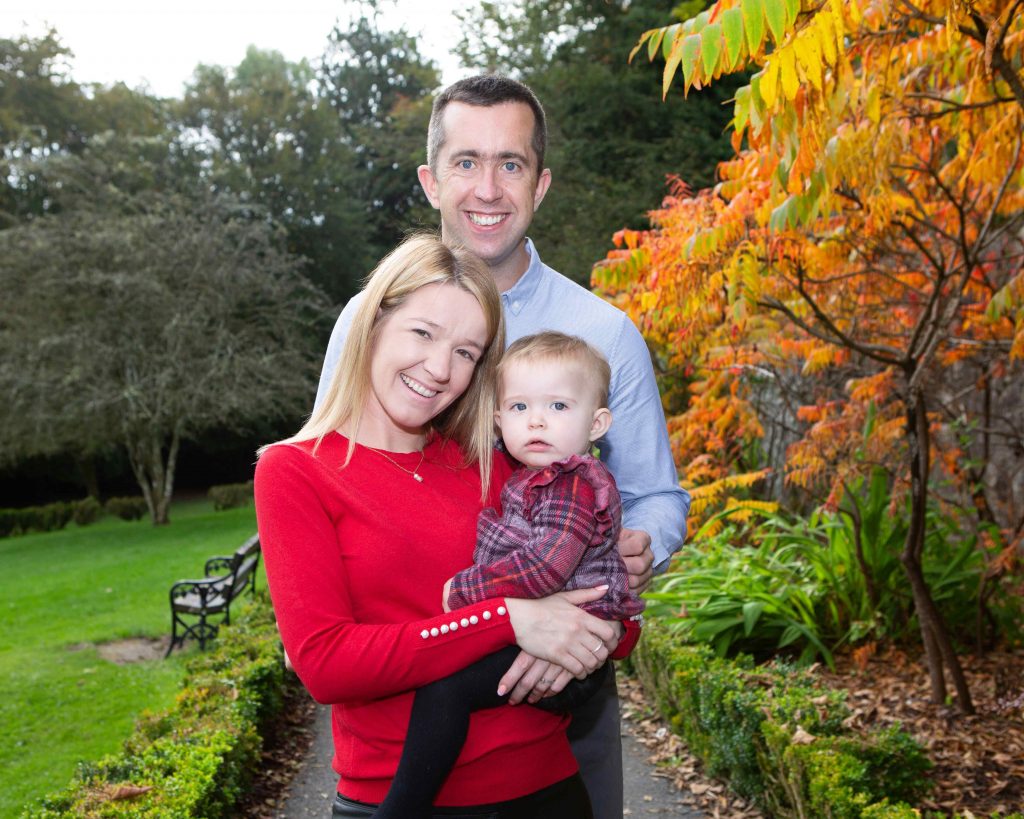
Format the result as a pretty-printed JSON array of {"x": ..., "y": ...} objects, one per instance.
[{"x": 866, "y": 240}]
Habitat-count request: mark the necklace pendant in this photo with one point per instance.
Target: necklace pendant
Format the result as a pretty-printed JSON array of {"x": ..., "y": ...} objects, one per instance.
[{"x": 418, "y": 476}]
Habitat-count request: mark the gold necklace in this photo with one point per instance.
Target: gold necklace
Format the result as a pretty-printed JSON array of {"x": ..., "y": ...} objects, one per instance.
[{"x": 414, "y": 472}]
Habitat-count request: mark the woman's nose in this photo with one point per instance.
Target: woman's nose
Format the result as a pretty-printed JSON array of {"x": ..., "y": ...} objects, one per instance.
[{"x": 438, "y": 365}]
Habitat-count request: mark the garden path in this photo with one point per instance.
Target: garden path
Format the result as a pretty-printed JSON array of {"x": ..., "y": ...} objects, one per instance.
[{"x": 645, "y": 794}]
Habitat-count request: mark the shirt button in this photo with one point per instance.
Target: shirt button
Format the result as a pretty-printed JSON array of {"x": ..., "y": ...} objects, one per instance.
[
  {"x": 487, "y": 615},
  {"x": 474, "y": 619},
  {"x": 464, "y": 622},
  {"x": 424, "y": 634},
  {"x": 453, "y": 625},
  {"x": 501, "y": 610},
  {"x": 434, "y": 632},
  {"x": 444, "y": 629},
  {"x": 515, "y": 305}
]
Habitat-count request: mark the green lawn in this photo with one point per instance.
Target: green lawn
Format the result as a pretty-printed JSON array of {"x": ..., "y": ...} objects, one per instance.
[{"x": 88, "y": 585}]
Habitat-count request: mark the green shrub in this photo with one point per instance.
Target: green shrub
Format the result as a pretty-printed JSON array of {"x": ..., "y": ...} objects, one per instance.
[
  {"x": 230, "y": 495},
  {"x": 48, "y": 518},
  {"x": 805, "y": 587},
  {"x": 197, "y": 758},
  {"x": 775, "y": 735},
  {"x": 86, "y": 511},
  {"x": 127, "y": 508}
]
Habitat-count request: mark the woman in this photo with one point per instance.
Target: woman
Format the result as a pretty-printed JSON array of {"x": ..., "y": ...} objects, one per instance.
[{"x": 372, "y": 506}]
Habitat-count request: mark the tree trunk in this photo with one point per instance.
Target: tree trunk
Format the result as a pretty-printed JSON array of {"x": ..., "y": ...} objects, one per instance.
[
  {"x": 86, "y": 465},
  {"x": 937, "y": 645},
  {"x": 154, "y": 474}
]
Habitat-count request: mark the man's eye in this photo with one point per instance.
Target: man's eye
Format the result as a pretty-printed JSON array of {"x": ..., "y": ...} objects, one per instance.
[
  {"x": 466, "y": 164},
  {"x": 559, "y": 406},
  {"x": 511, "y": 167}
]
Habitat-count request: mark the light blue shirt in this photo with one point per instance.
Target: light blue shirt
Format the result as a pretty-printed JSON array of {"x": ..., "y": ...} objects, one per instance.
[{"x": 636, "y": 448}]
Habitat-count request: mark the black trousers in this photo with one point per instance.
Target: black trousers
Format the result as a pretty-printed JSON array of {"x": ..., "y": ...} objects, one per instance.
[{"x": 563, "y": 800}]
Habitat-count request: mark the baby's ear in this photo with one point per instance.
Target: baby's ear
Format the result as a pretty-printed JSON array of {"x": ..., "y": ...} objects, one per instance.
[{"x": 602, "y": 421}]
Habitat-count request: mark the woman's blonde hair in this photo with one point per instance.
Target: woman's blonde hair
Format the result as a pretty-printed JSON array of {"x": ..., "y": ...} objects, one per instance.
[{"x": 420, "y": 260}]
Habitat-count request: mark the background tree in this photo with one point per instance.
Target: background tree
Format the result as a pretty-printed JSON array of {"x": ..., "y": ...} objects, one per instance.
[
  {"x": 329, "y": 149},
  {"x": 611, "y": 140},
  {"x": 148, "y": 318},
  {"x": 866, "y": 235}
]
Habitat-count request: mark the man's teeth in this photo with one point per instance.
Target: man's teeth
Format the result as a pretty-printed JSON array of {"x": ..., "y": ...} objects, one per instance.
[
  {"x": 484, "y": 220},
  {"x": 417, "y": 387}
]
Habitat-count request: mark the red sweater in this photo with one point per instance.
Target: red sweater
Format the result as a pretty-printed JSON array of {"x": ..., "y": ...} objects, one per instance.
[{"x": 356, "y": 559}]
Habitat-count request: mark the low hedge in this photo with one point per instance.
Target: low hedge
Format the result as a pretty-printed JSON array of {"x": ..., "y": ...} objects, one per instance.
[
  {"x": 197, "y": 758},
  {"x": 127, "y": 508},
  {"x": 49, "y": 517},
  {"x": 230, "y": 495},
  {"x": 778, "y": 738}
]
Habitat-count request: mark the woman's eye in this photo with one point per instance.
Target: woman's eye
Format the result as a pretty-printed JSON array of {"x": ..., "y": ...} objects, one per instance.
[
  {"x": 466, "y": 354},
  {"x": 421, "y": 332},
  {"x": 559, "y": 406}
]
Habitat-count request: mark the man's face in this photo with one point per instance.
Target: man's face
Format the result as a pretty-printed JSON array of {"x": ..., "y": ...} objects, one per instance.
[{"x": 486, "y": 182}]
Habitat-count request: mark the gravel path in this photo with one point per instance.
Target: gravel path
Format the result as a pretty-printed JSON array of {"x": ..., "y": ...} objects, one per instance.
[{"x": 645, "y": 795}]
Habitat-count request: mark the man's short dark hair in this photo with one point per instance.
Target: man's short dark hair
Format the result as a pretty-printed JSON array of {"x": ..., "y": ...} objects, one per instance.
[{"x": 486, "y": 90}]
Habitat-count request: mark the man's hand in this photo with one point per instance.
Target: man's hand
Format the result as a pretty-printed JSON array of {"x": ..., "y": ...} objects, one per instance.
[{"x": 635, "y": 548}]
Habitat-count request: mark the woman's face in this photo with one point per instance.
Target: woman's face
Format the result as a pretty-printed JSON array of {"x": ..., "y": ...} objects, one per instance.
[{"x": 423, "y": 360}]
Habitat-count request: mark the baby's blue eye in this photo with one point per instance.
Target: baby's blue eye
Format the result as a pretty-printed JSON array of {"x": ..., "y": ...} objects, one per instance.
[
  {"x": 559, "y": 405},
  {"x": 519, "y": 406}
]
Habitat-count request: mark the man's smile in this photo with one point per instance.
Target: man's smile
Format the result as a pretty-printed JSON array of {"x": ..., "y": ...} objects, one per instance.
[{"x": 486, "y": 219}]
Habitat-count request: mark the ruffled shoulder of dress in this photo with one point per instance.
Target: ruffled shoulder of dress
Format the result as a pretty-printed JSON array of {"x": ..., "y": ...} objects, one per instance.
[{"x": 587, "y": 467}]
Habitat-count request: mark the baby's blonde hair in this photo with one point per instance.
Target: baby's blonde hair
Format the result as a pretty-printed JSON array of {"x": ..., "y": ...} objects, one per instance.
[{"x": 551, "y": 345}]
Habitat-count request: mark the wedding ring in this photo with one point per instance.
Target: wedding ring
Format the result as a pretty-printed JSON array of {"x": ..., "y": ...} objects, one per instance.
[
  {"x": 597, "y": 648},
  {"x": 546, "y": 682}
]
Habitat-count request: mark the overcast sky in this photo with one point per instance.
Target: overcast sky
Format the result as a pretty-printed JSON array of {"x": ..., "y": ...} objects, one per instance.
[{"x": 141, "y": 42}]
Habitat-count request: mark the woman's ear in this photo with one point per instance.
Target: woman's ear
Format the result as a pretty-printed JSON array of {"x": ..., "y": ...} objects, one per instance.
[{"x": 601, "y": 423}]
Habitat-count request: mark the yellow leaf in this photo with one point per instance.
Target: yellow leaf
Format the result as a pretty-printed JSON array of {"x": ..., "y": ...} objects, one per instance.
[
  {"x": 769, "y": 84},
  {"x": 826, "y": 36},
  {"x": 873, "y": 109},
  {"x": 808, "y": 53},
  {"x": 787, "y": 68}
]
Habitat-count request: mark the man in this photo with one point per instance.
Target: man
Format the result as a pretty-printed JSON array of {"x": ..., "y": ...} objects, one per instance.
[{"x": 485, "y": 174}]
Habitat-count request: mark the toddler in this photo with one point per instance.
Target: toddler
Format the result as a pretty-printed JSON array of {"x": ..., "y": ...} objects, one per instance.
[{"x": 560, "y": 522}]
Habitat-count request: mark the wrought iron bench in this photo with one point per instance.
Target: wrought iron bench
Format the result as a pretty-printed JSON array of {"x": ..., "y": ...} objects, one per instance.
[{"x": 194, "y": 602}]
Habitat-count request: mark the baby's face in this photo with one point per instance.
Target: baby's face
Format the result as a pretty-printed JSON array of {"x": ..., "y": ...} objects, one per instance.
[{"x": 548, "y": 411}]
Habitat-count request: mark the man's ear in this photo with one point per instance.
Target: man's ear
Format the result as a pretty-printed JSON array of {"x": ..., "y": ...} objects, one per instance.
[
  {"x": 543, "y": 183},
  {"x": 601, "y": 423},
  {"x": 429, "y": 184}
]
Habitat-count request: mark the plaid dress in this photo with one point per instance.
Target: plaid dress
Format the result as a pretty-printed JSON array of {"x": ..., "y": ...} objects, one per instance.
[{"x": 559, "y": 530}]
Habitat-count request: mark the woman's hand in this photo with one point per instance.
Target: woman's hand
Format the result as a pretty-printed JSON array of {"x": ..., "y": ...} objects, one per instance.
[
  {"x": 555, "y": 629},
  {"x": 531, "y": 679}
]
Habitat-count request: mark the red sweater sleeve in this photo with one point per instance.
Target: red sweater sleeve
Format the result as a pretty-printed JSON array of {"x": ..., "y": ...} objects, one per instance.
[{"x": 338, "y": 658}]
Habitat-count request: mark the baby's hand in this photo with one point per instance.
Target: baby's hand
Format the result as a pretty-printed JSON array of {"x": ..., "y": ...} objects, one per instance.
[{"x": 444, "y": 594}]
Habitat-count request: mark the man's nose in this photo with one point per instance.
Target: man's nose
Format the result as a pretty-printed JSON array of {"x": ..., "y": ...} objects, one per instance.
[{"x": 487, "y": 187}]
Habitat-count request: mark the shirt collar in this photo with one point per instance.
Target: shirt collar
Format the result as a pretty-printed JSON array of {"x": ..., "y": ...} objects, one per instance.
[{"x": 516, "y": 297}]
